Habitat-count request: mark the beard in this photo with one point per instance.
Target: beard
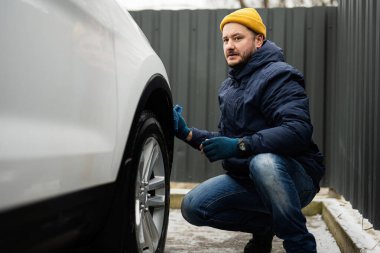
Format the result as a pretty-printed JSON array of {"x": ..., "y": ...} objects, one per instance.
[{"x": 244, "y": 58}]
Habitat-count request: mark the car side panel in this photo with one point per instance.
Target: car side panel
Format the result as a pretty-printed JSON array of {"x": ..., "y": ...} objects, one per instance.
[
  {"x": 58, "y": 99},
  {"x": 136, "y": 64}
]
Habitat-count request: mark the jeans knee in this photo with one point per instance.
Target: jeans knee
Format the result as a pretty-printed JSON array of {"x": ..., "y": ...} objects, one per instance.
[
  {"x": 191, "y": 210},
  {"x": 270, "y": 175},
  {"x": 262, "y": 167}
]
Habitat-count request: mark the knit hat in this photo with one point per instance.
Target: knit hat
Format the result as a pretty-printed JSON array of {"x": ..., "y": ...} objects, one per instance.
[{"x": 248, "y": 17}]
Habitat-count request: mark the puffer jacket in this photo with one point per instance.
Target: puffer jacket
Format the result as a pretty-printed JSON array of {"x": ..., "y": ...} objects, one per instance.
[{"x": 264, "y": 102}]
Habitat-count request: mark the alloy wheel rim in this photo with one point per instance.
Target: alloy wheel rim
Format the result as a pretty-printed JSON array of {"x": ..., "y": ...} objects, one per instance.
[{"x": 150, "y": 197}]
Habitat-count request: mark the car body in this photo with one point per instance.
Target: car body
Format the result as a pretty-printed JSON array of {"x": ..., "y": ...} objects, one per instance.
[{"x": 79, "y": 82}]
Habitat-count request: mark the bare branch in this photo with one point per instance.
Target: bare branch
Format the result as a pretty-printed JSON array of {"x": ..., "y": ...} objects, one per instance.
[{"x": 242, "y": 4}]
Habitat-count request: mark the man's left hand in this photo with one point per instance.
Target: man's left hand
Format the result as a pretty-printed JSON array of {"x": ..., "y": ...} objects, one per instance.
[{"x": 218, "y": 148}]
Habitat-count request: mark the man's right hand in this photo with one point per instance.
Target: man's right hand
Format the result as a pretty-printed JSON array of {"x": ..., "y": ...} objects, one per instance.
[{"x": 180, "y": 128}]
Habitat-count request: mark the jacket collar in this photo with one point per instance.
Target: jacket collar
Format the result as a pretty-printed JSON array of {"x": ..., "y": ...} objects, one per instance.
[{"x": 269, "y": 52}]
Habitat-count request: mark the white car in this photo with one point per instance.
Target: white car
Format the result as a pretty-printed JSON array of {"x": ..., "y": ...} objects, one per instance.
[{"x": 86, "y": 136}]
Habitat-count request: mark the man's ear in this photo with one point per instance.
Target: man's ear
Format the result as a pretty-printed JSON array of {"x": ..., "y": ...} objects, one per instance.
[{"x": 259, "y": 40}]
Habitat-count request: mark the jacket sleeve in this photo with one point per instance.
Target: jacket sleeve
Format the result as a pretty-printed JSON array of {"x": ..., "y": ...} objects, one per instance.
[
  {"x": 286, "y": 107},
  {"x": 199, "y": 136}
]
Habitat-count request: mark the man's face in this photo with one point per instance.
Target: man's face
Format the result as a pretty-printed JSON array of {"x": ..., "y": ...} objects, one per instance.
[{"x": 239, "y": 43}]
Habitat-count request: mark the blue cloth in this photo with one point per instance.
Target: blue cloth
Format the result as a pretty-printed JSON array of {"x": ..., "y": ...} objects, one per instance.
[
  {"x": 180, "y": 127},
  {"x": 270, "y": 200},
  {"x": 264, "y": 102}
]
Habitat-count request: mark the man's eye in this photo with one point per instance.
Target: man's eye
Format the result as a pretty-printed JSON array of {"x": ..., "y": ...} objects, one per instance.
[
  {"x": 237, "y": 38},
  {"x": 225, "y": 40}
]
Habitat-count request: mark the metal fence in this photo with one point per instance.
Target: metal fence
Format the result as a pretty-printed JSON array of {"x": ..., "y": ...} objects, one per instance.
[
  {"x": 352, "y": 133},
  {"x": 190, "y": 45}
]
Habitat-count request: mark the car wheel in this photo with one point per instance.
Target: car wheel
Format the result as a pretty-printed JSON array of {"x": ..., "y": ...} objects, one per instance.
[
  {"x": 150, "y": 186},
  {"x": 139, "y": 214}
]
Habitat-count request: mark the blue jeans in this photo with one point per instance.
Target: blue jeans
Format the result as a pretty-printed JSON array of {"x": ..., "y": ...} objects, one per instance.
[{"x": 270, "y": 199}]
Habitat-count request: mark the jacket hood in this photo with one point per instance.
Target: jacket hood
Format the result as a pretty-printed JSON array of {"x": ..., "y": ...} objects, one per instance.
[{"x": 268, "y": 53}]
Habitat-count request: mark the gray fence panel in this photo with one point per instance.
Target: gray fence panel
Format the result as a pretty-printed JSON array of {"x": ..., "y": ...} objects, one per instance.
[
  {"x": 296, "y": 37},
  {"x": 189, "y": 43},
  {"x": 331, "y": 87},
  {"x": 352, "y": 118},
  {"x": 374, "y": 189},
  {"x": 315, "y": 69}
]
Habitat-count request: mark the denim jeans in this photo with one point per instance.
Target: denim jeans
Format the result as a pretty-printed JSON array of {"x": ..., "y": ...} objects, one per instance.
[{"x": 270, "y": 199}]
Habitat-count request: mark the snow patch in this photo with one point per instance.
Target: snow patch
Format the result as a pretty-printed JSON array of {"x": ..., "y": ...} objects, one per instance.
[{"x": 359, "y": 229}]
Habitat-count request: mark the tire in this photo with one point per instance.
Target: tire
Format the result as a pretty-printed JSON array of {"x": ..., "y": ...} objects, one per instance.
[
  {"x": 148, "y": 187},
  {"x": 140, "y": 211}
]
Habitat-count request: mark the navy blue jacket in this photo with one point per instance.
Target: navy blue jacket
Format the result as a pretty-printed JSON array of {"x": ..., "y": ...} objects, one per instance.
[{"x": 264, "y": 102}]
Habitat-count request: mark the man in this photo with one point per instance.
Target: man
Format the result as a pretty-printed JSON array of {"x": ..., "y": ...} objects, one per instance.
[{"x": 265, "y": 141}]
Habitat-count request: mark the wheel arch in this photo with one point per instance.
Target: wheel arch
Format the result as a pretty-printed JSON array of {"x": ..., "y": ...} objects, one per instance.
[{"x": 156, "y": 98}]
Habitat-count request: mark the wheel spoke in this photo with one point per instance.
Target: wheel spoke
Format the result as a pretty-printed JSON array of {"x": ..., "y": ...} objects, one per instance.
[
  {"x": 152, "y": 228},
  {"x": 156, "y": 201},
  {"x": 139, "y": 178},
  {"x": 155, "y": 183},
  {"x": 140, "y": 228},
  {"x": 151, "y": 155},
  {"x": 151, "y": 234},
  {"x": 147, "y": 154}
]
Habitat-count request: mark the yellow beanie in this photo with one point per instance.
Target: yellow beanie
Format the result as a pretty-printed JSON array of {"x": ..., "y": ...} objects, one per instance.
[{"x": 248, "y": 17}]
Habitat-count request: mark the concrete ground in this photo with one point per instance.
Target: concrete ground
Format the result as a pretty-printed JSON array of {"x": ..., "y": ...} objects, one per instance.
[
  {"x": 330, "y": 218},
  {"x": 185, "y": 238}
]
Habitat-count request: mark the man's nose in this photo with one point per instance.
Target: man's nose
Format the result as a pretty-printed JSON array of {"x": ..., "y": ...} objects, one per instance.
[{"x": 230, "y": 45}]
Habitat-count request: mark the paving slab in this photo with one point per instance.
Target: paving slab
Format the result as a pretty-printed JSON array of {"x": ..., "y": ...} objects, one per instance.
[{"x": 185, "y": 238}]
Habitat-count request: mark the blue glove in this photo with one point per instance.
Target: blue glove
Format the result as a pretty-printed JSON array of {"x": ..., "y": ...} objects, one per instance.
[
  {"x": 180, "y": 128},
  {"x": 218, "y": 148}
]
